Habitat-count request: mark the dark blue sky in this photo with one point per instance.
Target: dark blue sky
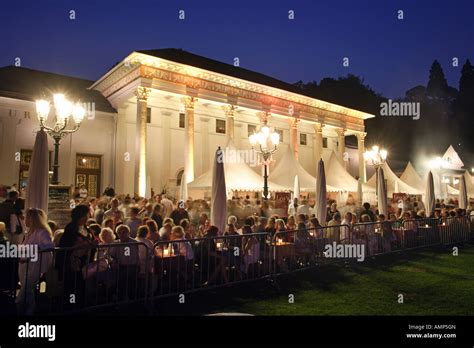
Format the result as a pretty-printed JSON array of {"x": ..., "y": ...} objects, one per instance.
[{"x": 391, "y": 55}]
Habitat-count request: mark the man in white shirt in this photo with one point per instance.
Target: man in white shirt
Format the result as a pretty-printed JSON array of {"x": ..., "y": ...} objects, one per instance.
[
  {"x": 303, "y": 208},
  {"x": 114, "y": 207}
]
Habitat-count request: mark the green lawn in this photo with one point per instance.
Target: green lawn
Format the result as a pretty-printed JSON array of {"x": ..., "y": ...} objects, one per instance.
[{"x": 433, "y": 282}]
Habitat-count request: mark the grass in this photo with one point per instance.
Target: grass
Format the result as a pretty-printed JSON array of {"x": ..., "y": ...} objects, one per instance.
[{"x": 432, "y": 282}]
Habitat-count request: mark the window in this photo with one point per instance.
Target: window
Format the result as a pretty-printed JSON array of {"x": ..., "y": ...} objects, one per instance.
[
  {"x": 220, "y": 126},
  {"x": 325, "y": 143},
  {"x": 303, "y": 140},
  {"x": 182, "y": 118},
  {"x": 251, "y": 129},
  {"x": 148, "y": 115},
  {"x": 25, "y": 158},
  {"x": 280, "y": 131}
]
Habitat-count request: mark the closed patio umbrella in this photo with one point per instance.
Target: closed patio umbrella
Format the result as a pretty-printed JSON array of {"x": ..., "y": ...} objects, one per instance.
[
  {"x": 381, "y": 193},
  {"x": 183, "y": 189},
  {"x": 219, "y": 193},
  {"x": 296, "y": 188},
  {"x": 462, "y": 193},
  {"x": 321, "y": 204},
  {"x": 429, "y": 195},
  {"x": 38, "y": 176}
]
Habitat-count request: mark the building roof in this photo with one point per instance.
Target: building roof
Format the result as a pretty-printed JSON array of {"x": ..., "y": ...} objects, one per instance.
[
  {"x": 28, "y": 84},
  {"x": 184, "y": 57}
]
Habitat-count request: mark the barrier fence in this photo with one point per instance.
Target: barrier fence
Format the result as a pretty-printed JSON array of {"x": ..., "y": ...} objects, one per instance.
[{"x": 75, "y": 279}]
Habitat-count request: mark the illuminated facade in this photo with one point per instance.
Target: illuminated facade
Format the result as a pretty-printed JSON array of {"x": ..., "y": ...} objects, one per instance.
[{"x": 172, "y": 109}]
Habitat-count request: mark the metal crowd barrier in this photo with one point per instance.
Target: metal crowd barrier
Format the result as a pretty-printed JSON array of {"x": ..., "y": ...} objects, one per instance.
[
  {"x": 79, "y": 278},
  {"x": 187, "y": 265},
  {"x": 67, "y": 280}
]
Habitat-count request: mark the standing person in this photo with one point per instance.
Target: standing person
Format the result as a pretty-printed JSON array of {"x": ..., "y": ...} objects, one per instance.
[
  {"x": 133, "y": 222},
  {"x": 368, "y": 212},
  {"x": 17, "y": 222},
  {"x": 203, "y": 224},
  {"x": 157, "y": 215},
  {"x": 153, "y": 234},
  {"x": 7, "y": 210},
  {"x": 167, "y": 206},
  {"x": 109, "y": 191},
  {"x": 303, "y": 208},
  {"x": 30, "y": 269},
  {"x": 126, "y": 262},
  {"x": 147, "y": 210},
  {"x": 69, "y": 263},
  {"x": 83, "y": 193},
  {"x": 333, "y": 210},
  {"x": 114, "y": 207},
  {"x": 145, "y": 253},
  {"x": 92, "y": 207},
  {"x": 292, "y": 207},
  {"x": 179, "y": 214},
  {"x": 333, "y": 233}
]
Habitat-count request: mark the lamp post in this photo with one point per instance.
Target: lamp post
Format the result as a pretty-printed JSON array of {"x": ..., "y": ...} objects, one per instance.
[
  {"x": 267, "y": 141},
  {"x": 376, "y": 157},
  {"x": 64, "y": 109}
]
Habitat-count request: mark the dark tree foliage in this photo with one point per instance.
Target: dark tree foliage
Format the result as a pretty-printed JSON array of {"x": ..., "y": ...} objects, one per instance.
[{"x": 446, "y": 115}]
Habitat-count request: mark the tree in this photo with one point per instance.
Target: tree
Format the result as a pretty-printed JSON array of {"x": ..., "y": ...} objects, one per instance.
[{"x": 437, "y": 87}]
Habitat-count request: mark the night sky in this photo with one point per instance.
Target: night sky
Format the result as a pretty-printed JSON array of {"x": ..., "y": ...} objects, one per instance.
[{"x": 391, "y": 55}]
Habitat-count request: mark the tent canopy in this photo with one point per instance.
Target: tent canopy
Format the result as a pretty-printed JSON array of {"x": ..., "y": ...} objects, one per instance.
[
  {"x": 238, "y": 176},
  {"x": 391, "y": 179},
  {"x": 337, "y": 176},
  {"x": 411, "y": 177},
  {"x": 288, "y": 167}
]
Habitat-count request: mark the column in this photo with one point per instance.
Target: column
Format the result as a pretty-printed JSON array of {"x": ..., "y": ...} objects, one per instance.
[
  {"x": 318, "y": 142},
  {"x": 341, "y": 145},
  {"x": 166, "y": 148},
  {"x": 189, "y": 139},
  {"x": 229, "y": 124},
  {"x": 360, "y": 151},
  {"x": 140, "y": 141},
  {"x": 294, "y": 136},
  {"x": 205, "y": 158}
]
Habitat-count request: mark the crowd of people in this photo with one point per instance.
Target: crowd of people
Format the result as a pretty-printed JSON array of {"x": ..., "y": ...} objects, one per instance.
[{"x": 102, "y": 229}]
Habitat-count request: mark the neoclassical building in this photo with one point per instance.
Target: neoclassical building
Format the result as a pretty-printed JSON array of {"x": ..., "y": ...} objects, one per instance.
[{"x": 160, "y": 113}]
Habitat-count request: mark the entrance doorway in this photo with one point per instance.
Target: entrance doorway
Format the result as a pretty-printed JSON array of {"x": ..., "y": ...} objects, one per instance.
[{"x": 88, "y": 173}]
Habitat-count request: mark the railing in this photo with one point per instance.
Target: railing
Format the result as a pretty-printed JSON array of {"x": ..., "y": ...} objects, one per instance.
[{"x": 88, "y": 278}]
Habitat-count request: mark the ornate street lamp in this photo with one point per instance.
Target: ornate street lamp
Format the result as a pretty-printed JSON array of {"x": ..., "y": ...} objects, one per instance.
[
  {"x": 376, "y": 157},
  {"x": 64, "y": 109},
  {"x": 267, "y": 141}
]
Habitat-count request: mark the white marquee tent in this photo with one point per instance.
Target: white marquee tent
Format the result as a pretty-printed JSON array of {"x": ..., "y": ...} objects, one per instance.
[
  {"x": 337, "y": 176},
  {"x": 287, "y": 167},
  {"x": 238, "y": 176},
  {"x": 393, "y": 182},
  {"x": 411, "y": 177}
]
